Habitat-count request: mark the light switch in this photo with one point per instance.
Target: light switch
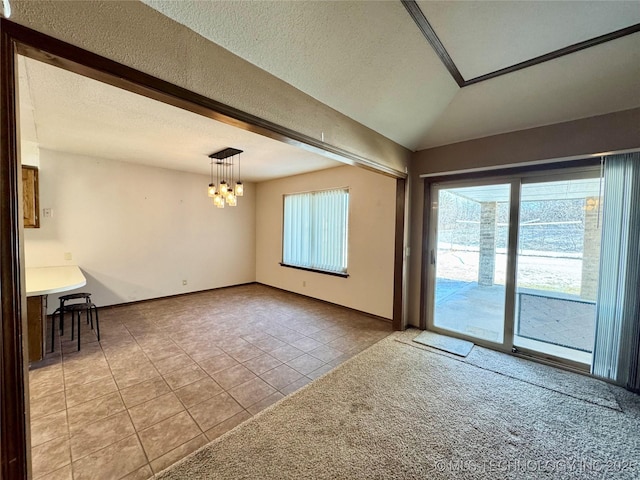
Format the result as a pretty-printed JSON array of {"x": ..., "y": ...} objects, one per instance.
[
  {"x": 47, "y": 212},
  {"x": 67, "y": 256}
]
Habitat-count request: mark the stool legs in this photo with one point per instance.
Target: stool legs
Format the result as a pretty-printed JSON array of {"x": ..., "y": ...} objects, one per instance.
[
  {"x": 61, "y": 327},
  {"x": 76, "y": 315},
  {"x": 95, "y": 309},
  {"x": 74, "y": 321},
  {"x": 53, "y": 330},
  {"x": 79, "y": 328}
]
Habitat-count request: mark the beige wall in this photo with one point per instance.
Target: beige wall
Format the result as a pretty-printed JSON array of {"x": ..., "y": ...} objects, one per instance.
[
  {"x": 580, "y": 138},
  {"x": 369, "y": 287},
  {"x": 136, "y": 35},
  {"x": 137, "y": 232},
  {"x": 563, "y": 141}
]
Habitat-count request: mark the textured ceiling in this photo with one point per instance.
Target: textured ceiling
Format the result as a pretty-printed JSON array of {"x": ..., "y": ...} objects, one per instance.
[
  {"x": 62, "y": 111},
  {"x": 365, "y": 59},
  {"x": 368, "y": 60}
]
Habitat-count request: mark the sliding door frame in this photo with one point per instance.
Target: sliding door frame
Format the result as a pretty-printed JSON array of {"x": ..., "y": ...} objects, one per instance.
[
  {"x": 516, "y": 177},
  {"x": 17, "y": 39},
  {"x": 509, "y": 306}
]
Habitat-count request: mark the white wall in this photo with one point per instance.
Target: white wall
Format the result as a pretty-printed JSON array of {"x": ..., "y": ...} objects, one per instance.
[
  {"x": 29, "y": 153},
  {"x": 369, "y": 287},
  {"x": 136, "y": 231}
]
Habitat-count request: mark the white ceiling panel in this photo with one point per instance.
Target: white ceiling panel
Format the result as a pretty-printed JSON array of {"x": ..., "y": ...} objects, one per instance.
[
  {"x": 79, "y": 115},
  {"x": 485, "y": 36},
  {"x": 365, "y": 59},
  {"x": 596, "y": 81}
]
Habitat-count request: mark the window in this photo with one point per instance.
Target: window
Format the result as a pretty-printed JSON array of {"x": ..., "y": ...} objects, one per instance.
[{"x": 315, "y": 230}]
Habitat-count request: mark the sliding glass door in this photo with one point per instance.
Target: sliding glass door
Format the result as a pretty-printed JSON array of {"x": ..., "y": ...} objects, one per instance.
[
  {"x": 558, "y": 262},
  {"x": 514, "y": 263},
  {"x": 469, "y": 259}
]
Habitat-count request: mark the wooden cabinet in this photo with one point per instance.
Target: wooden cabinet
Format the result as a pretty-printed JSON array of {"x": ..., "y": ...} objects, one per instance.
[
  {"x": 36, "y": 326},
  {"x": 30, "y": 197}
]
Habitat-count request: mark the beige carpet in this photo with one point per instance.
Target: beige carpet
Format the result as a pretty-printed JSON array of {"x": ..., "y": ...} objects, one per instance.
[
  {"x": 578, "y": 386},
  {"x": 462, "y": 348},
  {"x": 399, "y": 412}
]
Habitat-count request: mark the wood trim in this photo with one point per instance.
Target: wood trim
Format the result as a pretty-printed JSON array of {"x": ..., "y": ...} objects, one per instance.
[
  {"x": 399, "y": 322},
  {"x": 561, "y": 52},
  {"x": 510, "y": 171},
  {"x": 197, "y": 292},
  {"x": 55, "y": 52},
  {"x": 36, "y": 197},
  {"x": 167, "y": 297},
  {"x": 430, "y": 34},
  {"x": 315, "y": 270},
  {"x": 327, "y": 302},
  {"x": 13, "y": 414}
]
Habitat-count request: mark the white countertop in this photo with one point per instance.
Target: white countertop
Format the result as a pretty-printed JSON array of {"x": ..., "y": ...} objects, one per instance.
[{"x": 45, "y": 280}]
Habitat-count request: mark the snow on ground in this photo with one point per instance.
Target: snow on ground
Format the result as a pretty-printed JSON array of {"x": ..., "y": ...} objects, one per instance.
[{"x": 553, "y": 273}]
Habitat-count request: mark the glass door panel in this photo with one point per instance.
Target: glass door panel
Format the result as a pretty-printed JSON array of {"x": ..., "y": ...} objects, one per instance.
[
  {"x": 558, "y": 261},
  {"x": 471, "y": 236}
]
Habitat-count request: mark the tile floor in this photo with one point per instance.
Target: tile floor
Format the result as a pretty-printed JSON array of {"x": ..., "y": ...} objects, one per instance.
[{"x": 170, "y": 375}]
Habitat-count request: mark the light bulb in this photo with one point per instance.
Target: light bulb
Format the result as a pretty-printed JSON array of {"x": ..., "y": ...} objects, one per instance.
[
  {"x": 224, "y": 188},
  {"x": 239, "y": 189},
  {"x": 211, "y": 191},
  {"x": 231, "y": 199}
]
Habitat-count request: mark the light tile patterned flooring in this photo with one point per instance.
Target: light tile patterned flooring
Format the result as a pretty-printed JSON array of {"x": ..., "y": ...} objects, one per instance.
[{"x": 172, "y": 374}]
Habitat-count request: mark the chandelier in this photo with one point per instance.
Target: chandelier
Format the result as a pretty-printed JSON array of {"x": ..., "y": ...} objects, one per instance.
[{"x": 227, "y": 186}]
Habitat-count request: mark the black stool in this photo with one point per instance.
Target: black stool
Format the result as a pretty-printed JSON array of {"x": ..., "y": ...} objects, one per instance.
[{"x": 78, "y": 308}]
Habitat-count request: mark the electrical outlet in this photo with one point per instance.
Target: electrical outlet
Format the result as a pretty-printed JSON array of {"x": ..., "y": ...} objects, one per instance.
[
  {"x": 184, "y": 282},
  {"x": 68, "y": 256}
]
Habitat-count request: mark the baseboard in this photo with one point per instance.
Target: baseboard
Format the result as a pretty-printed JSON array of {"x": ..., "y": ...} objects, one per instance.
[
  {"x": 135, "y": 302},
  {"x": 355, "y": 310}
]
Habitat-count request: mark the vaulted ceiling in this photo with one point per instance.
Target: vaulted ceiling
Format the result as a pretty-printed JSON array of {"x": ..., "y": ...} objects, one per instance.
[{"x": 372, "y": 62}]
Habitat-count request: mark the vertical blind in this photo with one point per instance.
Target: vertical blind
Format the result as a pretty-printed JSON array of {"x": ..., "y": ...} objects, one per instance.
[
  {"x": 315, "y": 230},
  {"x": 617, "y": 342}
]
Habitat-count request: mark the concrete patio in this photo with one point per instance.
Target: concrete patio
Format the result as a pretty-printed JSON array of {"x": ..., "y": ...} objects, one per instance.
[{"x": 545, "y": 316}]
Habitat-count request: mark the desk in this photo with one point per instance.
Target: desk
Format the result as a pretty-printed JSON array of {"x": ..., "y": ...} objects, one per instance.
[{"x": 41, "y": 281}]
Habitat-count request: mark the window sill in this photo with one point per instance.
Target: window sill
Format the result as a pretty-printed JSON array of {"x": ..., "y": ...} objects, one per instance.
[{"x": 335, "y": 274}]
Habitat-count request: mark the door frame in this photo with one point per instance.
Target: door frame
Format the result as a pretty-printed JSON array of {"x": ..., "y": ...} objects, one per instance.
[
  {"x": 567, "y": 174},
  {"x": 509, "y": 306},
  {"x": 17, "y": 39},
  {"x": 516, "y": 177}
]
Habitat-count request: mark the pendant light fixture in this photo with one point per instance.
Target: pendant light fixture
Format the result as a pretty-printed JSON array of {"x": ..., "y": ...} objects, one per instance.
[{"x": 226, "y": 186}]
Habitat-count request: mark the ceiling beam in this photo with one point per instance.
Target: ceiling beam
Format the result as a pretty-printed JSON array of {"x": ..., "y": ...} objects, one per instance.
[
  {"x": 52, "y": 51},
  {"x": 561, "y": 52},
  {"x": 428, "y": 32}
]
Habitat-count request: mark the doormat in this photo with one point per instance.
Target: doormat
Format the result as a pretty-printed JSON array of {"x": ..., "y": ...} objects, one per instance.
[{"x": 447, "y": 344}]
